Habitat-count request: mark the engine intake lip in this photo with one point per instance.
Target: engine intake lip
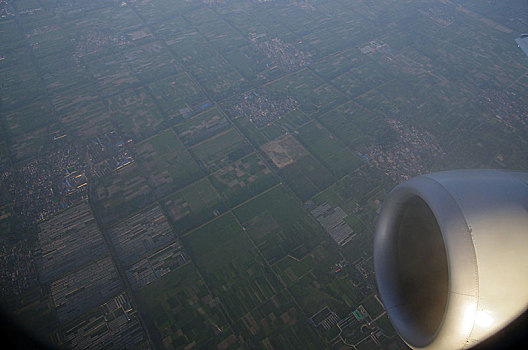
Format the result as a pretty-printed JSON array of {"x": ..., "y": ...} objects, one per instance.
[{"x": 454, "y": 286}]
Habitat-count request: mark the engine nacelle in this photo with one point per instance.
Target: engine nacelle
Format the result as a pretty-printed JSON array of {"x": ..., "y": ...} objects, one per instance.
[{"x": 451, "y": 256}]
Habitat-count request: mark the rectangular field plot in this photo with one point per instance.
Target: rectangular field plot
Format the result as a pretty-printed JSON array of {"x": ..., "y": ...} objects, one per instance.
[
  {"x": 307, "y": 177},
  {"x": 178, "y": 94},
  {"x": 218, "y": 78},
  {"x": 68, "y": 241},
  {"x": 184, "y": 312},
  {"x": 140, "y": 234},
  {"x": 328, "y": 150},
  {"x": 350, "y": 84},
  {"x": 63, "y": 79},
  {"x": 312, "y": 93},
  {"x": 278, "y": 324},
  {"x": 221, "y": 149},
  {"x": 352, "y": 124},
  {"x": 151, "y": 61},
  {"x": 81, "y": 111},
  {"x": 166, "y": 161},
  {"x": 193, "y": 205},
  {"x": 279, "y": 226},
  {"x": 243, "y": 179},
  {"x": 150, "y": 268},
  {"x": 221, "y": 35},
  {"x": 247, "y": 61},
  {"x": 20, "y": 86},
  {"x": 290, "y": 269},
  {"x": 231, "y": 265},
  {"x": 154, "y": 11},
  {"x": 260, "y": 135},
  {"x": 122, "y": 192},
  {"x": 191, "y": 47},
  {"x": 202, "y": 127},
  {"x": 112, "y": 74},
  {"x": 135, "y": 112},
  {"x": 84, "y": 289},
  {"x": 320, "y": 287},
  {"x": 30, "y": 144},
  {"x": 23, "y": 120}
]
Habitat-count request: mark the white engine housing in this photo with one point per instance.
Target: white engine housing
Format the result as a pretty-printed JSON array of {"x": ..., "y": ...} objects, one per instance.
[{"x": 451, "y": 256}]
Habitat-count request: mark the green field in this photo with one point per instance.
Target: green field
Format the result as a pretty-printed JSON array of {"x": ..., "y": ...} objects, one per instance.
[
  {"x": 136, "y": 113},
  {"x": 176, "y": 93},
  {"x": 310, "y": 91},
  {"x": 243, "y": 179},
  {"x": 231, "y": 265},
  {"x": 260, "y": 136},
  {"x": 306, "y": 177},
  {"x": 218, "y": 77},
  {"x": 193, "y": 205},
  {"x": 328, "y": 150},
  {"x": 279, "y": 226},
  {"x": 278, "y": 323},
  {"x": 167, "y": 163},
  {"x": 221, "y": 149},
  {"x": 201, "y": 127},
  {"x": 183, "y": 311},
  {"x": 122, "y": 192}
]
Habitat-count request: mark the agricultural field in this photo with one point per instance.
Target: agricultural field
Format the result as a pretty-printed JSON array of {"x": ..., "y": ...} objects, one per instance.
[
  {"x": 243, "y": 179},
  {"x": 231, "y": 265},
  {"x": 232, "y": 158},
  {"x": 328, "y": 150},
  {"x": 278, "y": 225},
  {"x": 112, "y": 74},
  {"x": 191, "y": 47},
  {"x": 136, "y": 113},
  {"x": 178, "y": 96},
  {"x": 140, "y": 234},
  {"x": 353, "y": 124},
  {"x": 304, "y": 174},
  {"x": 261, "y": 135},
  {"x": 278, "y": 324},
  {"x": 194, "y": 205},
  {"x": 183, "y": 312},
  {"x": 201, "y": 127},
  {"x": 121, "y": 192},
  {"x": 218, "y": 78},
  {"x": 166, "y": 162},
  {"x": 22, "y": 121},
  {"x": 81, "y": 111},
  {"x": 306, "y": 177},
  {"x": 221, "y": 149},
  {"x": 151, "y": 61},
  {"x": 312, "y": 93}
]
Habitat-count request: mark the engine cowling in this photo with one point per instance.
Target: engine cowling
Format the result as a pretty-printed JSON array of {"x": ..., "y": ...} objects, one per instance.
[{"x": 450, "y": 255}]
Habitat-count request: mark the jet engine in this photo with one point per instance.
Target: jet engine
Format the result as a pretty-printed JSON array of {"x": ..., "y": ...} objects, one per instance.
[{"x": 451, "y": 256}]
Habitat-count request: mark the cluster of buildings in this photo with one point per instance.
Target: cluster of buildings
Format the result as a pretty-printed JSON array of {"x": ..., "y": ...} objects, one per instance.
[
  {"x": 506, "y": 107},
  {"x": 17, "y": 271},
  {"x": 283, "y": 55},
  {"x": 68, "y": 241},
  {"x": 113, "y": 326},
  {"x": 333, "y": 221},
  {"x": 407, "y": 156},
  {"x": 6, "y": 10},
  {"x": 261, "y": 108},
  {"x": 93, "y": 41},
  {"x": 155, "y": 266},
  {"x": 107, "y": 153},
  {"x": 48, "y": 184},
  {"x": 141, "y": 234}
]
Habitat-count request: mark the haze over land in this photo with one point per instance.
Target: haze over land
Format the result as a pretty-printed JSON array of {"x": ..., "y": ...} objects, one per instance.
[{"x": 188, "y": 174}]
